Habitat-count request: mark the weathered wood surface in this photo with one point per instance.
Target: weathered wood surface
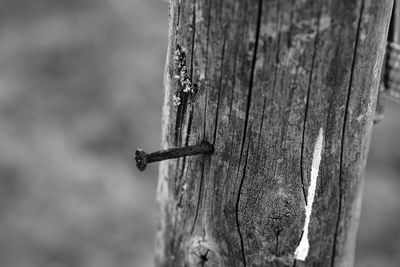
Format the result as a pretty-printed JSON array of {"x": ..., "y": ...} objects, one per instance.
[{"x": 272, "y": 77}]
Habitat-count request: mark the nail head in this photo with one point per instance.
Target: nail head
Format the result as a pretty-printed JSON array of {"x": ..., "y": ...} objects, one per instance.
[{"x": 141, "y": 159}]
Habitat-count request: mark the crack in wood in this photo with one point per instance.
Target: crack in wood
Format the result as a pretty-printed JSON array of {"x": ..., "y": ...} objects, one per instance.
[
  {"x": 198, "y": 198},
  {"x": 343, "y": 134},
  {"x": 307, "y": 105},
  {"x": 249, "y": 95},
  {"x": 219, "y": 89}
]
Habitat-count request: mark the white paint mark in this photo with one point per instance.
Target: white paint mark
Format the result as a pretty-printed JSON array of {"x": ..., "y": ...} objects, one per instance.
[{"x": 301, "y": 251}]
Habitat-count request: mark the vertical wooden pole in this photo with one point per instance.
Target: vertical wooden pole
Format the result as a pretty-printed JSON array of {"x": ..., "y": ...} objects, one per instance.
[{"x": 285, "y": 90}]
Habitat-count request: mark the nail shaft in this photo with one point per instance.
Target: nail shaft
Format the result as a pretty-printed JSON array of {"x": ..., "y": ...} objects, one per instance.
[{"x": 142, "y": 158}]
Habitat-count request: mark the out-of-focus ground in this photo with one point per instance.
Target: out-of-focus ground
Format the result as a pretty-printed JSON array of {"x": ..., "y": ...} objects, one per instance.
[
  {"x": 378, "y": 243},
  {"x": 80, "y": 89}
]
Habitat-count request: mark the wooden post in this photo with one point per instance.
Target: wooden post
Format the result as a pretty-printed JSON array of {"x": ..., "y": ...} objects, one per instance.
[{"x": 286, "y": 93}]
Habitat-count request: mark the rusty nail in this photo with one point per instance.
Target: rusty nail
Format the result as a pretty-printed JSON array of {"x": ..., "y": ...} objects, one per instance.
[{"x": 142, "y": 158}]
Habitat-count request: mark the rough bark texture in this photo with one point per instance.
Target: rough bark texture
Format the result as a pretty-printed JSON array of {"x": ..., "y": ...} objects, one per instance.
[{"x": 270, "y": 76}]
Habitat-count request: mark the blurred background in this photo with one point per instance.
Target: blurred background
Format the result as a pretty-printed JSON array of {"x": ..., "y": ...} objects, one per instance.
[{"x": 80, "y": 90}]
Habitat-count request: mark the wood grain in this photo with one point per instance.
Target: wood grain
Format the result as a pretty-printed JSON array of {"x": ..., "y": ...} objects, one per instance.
[{"x": 270, "y": 75}]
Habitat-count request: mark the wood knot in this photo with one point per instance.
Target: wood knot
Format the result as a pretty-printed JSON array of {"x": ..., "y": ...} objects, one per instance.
[
  {"x": 281, "y": 214},
  {"x": 202, "y": 253}
]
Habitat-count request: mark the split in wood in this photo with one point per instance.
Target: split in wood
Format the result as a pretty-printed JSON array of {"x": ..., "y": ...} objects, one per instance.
[{"x": 142, "y": 158}]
